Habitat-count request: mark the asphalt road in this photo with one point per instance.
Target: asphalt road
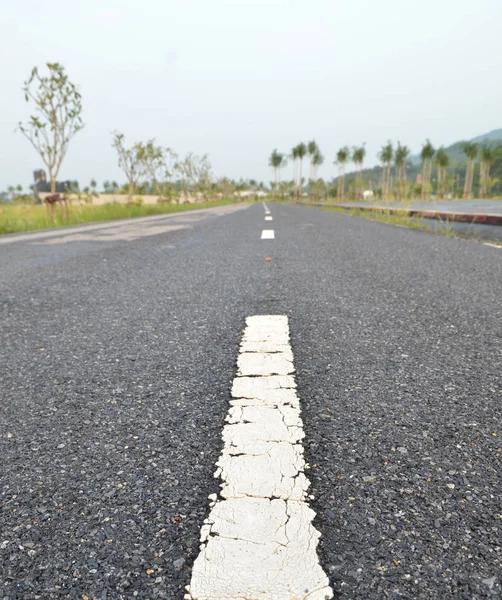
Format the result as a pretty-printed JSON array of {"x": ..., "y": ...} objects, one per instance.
[{"x": 118, "y": 349}]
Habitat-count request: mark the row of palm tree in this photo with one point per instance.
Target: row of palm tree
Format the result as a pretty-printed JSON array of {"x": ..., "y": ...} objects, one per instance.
[
  {"x": 389, "y": 157},
  {"x": 442, "y": 160},
  {"x": 429, "y": 156},
  {"x": 278, "y": 160}
]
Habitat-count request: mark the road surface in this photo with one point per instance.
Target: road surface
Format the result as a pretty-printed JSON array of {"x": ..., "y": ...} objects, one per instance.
[{"x": 121, "y": 346}]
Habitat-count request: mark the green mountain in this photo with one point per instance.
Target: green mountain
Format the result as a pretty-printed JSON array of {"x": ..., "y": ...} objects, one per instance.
[
  {"x": 456, "y": 151},
  {"x": 493, "y": 136}
]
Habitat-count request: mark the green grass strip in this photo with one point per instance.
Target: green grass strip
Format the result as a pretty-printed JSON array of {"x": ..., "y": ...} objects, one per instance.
[{"x": 18, "y": 218}]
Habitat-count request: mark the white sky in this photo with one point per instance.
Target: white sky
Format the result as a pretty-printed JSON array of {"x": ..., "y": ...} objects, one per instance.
[{"x": 238, "y": 78}]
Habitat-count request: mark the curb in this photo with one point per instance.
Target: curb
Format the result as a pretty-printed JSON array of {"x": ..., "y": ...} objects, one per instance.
[{"x": 443, "y": 215}]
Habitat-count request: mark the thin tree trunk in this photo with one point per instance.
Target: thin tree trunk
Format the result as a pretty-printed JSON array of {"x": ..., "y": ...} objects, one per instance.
[
  {"x": 468, "y": 180},
  {"x": 487, "y": 179},
  {"x": 310, "y": 178},
  {"x": 341, "y": 182},
  {"x": 295, "y": 173},
  {"x": 52, "y": 182},
  {"x": 300, "y": 179}
]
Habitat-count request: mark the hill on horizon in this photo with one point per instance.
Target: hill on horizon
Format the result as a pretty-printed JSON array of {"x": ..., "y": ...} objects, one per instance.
[
  {"x": 495, "y": 135},
  {"x": 456, "y": 150}
]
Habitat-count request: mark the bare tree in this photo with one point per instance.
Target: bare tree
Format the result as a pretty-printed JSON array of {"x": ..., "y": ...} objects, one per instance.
[
  {"x": 57, "y": 106},
  {"x": 158, "y": 165},
  {"x": 195, "y": 174},
  {"x": 204, "y": 177},
  {"x": 131, "y": 161}
]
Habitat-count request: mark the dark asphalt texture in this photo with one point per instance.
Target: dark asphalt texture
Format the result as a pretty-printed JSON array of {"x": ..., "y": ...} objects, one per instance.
[{"x": 116, "y": 361}]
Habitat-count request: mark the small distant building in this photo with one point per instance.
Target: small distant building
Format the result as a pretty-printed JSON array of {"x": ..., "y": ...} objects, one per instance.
[
  {"x": 43, "y": 185},
  {"x": 251, "y": 194}
]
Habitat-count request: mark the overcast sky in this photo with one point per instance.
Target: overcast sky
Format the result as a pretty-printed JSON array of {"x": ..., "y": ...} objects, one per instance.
[{"x": 237, "y": 78}]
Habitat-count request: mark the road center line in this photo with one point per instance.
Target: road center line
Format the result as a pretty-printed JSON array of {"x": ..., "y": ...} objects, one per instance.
[
  {"x": 258, "y": 541},
  {"x": 267, "y": 218},
  {"x": 267, "y": 234}
]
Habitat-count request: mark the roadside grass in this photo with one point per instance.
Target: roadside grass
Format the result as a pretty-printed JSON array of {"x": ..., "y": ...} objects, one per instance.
[
  {"x": 25, "y": 217},
  {"x": 396, "y": 218}
]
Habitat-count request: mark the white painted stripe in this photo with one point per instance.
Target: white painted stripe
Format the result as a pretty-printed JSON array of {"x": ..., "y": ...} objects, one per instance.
[
  {"x": 486, "y": 244},
  {"x": 265, "y": 207},
  {"x": 258, "y": 542},
  {"x": 267, "y": 234},
  {"x": 268, "y": 218}
]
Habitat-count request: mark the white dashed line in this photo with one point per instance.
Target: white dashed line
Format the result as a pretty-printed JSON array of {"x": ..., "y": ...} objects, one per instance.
[
  {"x": 267, "y": 234},
  {"x": 268, "y": 218},
  {"x": 484, "y": 244},
  {"x": 258, "y": 541}
]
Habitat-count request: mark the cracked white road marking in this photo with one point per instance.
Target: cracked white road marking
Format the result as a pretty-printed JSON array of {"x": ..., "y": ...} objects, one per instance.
[
  {"x": 267, "y": 234},
  {"x": 268, "y": 218},
  {"x": 258, "y": 542}
]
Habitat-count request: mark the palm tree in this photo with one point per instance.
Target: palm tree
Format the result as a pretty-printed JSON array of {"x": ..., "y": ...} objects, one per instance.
[
  {"x": 312, "y": 150},
  {"x": 400, "y": 156},
  {"x": 471, "y": 152},
  {"x": 276, "y": 161},
  {"x": 358, "y": 155},
  {"x": 386, "y": 155},
  {"x": 486, "y": 160},
  {"x": 301, "y": 150},
  {"x": 427, "y": 154},
  {"x": 342, "y": 156},
  {"x": 282, "y": 164},
  {"x": 442, "y": 161},
  {"x": 294, "y": 156},
  {"x": 317, "y": 161}
]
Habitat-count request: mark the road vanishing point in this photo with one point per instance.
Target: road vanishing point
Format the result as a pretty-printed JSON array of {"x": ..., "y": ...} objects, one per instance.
[{"x": 250, "y": 402}]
